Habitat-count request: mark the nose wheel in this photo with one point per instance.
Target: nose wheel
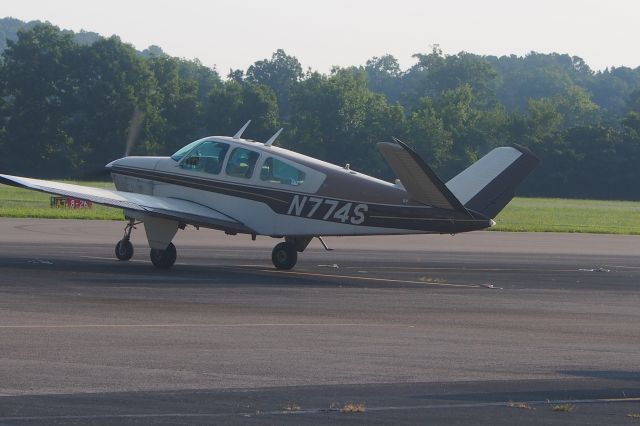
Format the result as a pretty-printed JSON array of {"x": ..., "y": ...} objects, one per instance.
[
  {"x": 164, "y": 259},
  {"x": 124, "y": 248},
  {"x": 284, "y": 255}
]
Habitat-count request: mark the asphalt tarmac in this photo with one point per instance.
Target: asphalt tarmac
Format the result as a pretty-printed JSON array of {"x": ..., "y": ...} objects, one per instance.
[{"x": 483, "y": 328}]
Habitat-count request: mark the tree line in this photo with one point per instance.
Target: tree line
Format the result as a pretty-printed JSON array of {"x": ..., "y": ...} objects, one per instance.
[{"x": 66, "y": 109}]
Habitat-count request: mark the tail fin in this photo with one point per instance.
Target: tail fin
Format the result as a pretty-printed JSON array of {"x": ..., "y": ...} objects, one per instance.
[
  {"x": 420, "y": 182},
  {"x": 489, "y": 184}
]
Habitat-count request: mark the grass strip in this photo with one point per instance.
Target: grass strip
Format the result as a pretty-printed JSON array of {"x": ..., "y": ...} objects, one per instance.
[{"x": 521, "y": 215}]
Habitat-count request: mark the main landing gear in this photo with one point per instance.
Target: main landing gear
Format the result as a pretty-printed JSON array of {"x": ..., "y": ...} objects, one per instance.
[
  {"x": 164, "y": 259},
  {"x": 285, "y": 255}
]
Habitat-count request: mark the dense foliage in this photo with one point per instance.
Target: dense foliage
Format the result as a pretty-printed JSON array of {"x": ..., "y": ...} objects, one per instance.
[{"x": 66, "y": 109}]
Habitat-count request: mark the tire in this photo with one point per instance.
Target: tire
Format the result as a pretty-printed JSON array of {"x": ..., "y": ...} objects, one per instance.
[
  {"x": 124, "y": 250},
  {"x": 284, "y": 256},
  {"x": 164, "y": 259}
]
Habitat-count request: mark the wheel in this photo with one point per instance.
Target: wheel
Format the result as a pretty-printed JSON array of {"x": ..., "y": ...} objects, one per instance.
[
  {"x": 164, "y": 259},
  {"x": 284, "y": 256},
  {"x": 124, "y": 249}
]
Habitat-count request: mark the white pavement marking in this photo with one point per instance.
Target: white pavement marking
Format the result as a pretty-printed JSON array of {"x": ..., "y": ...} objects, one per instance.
[
  {"x": 114, "y": 260},
  {"x": 351, "y": 277},
  {"x": 623, "y": 267},
  {"x": 111, "y": 259},
  {"x": 402, "y": 268},
  {"x": 63, "y": 326},
  {"x": 40, "y": 261}
]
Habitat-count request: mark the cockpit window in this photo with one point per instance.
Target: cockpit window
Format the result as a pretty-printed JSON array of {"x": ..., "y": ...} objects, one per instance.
[
  {"x": 206, "y": 157},
  {"x": 183, "y": 151},
  {"x": 241, "y": 163},
  {"x": 276, "y": 171}
]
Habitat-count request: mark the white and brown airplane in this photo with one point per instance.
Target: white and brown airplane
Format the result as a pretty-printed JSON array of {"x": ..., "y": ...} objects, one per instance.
[{"x": 242, "y": 186}]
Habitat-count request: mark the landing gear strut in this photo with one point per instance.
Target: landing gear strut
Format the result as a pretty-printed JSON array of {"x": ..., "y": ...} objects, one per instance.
[
  {"x": 164, "y": 259},
  {"x": 124, "y": 248}
]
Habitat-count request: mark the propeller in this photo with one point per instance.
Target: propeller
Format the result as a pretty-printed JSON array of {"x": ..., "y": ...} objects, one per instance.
[
  {"x": 134, "y": 130},
  {"x": 135, "y": 124}
]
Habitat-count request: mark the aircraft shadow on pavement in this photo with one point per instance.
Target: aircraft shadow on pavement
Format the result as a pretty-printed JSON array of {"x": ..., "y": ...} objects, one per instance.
[
  {"x": 633, "y": 376},
  {"x": 318, "y": 399},
  {"x": 93, "y": 272}
]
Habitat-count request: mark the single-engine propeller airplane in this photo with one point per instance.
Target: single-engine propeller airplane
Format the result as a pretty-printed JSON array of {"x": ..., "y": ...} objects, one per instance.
[{"x": 241, "y": 186}]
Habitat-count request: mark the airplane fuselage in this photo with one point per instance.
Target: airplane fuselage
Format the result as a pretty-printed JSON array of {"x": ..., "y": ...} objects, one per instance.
[{"x": 277, "y": 192}]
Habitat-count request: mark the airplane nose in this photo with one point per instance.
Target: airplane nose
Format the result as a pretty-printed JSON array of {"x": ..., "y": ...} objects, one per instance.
[
  {"x": 113, "y": 163},
  {"x": 146, "y": 163}
]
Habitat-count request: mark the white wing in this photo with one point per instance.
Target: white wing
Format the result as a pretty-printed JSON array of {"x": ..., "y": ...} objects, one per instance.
[{"x": 170, "y": 208}]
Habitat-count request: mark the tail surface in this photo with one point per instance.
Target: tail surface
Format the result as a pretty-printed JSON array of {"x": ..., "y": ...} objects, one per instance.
[
  {"x": 489, "y": 184},
  {"x": 420, "y": 182},
  {"x": 485, "y": 187}
]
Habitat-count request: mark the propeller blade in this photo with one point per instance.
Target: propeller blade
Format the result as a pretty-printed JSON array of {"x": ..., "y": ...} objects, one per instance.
[{"x": 134, "y": 129}]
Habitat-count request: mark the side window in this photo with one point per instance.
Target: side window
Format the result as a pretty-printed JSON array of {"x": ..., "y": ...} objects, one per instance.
[
  {"x": 207, "y": 157},
  {"x": 276, "y": 171},
  {"x": 241, "y": 163}
]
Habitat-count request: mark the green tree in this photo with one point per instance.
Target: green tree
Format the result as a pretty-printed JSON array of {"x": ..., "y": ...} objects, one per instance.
[
  {"x": 206, "y": 78},
  {"x": 113, "y": 83},
  {"x": 338, "y": 119},
  {"x": 428, "y": 134},
  {"x": 180, "y": 110},
  {"x": 36, "y": 86},
  {"x": 436, "y": 73},
  {"x": 633, "y": 104},
  {"x": 279, "y": 73},
  {"x": 385, "y": 76},
  {"x": 612, "y": 88},
  {"x": 536, "y": 76},
  {"x": 232, "y": 104},
  {"x": 576, "y": 107},
  {"x": 473, "y": 130}
]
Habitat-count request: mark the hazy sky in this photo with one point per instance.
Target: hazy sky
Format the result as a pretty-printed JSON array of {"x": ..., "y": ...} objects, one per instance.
[{"x": 234, "y": 34}]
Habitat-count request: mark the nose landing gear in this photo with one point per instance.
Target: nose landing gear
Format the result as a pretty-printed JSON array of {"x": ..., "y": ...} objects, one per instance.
[{"x": 124, "y": 248}]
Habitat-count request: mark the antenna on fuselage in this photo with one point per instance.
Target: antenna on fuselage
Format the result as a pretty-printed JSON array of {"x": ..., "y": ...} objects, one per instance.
[
  {"x": 273, "y": 138},
  {"x": 241, "y": 131}
]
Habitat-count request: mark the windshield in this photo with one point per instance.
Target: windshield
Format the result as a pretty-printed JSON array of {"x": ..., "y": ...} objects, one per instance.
[
  {"x": 184, "y": 150},
  {"x": 206, "y": 157}
]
